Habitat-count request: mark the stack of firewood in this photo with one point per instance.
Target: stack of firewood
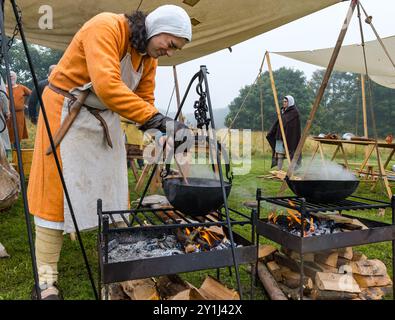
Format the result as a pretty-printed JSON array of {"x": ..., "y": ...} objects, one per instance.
[
  {"x": 332, "y": 275},
  {"x": 170, "y": 287}
]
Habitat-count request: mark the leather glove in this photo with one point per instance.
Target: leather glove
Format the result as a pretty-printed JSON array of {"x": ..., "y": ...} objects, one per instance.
[
  {"x": 161, "y": 122},
  {"x": 168, "y": 126}
]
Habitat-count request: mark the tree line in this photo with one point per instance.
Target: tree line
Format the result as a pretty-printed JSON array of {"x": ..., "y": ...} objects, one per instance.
[
  {"x": 340, "y": 110},
  {"x": 42, "y": 58}
]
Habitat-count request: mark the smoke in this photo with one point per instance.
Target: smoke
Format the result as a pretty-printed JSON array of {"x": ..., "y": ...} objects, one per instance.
[
  {"x": 202, "y": 171},
  {"x": 324, "y": 170}
]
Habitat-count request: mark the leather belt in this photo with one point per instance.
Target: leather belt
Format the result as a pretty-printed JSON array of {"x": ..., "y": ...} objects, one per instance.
[{"x": 74, "y": 106}]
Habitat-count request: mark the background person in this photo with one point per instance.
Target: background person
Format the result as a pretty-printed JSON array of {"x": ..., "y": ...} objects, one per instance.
[
  {"x": 20, "y": 94},
  {"x": 34, "y": 105},
  {"x": 292, "y": 130}
]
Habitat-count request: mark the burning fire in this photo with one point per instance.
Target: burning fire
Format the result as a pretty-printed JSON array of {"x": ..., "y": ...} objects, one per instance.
[
  {"x": 201, "y": 239},
  {"x": 293, "y": 219}
]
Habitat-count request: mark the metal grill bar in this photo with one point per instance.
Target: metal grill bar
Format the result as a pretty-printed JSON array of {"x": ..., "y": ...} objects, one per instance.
[
  {"x": 112, "y": 220},
  {"x": 159, "y": 217},
  {"x": 135, "y": 216},
  {"x": 125, "y": 220},
  {"x": 324, "y": 207},
  {"x": 148, "y": 218}
]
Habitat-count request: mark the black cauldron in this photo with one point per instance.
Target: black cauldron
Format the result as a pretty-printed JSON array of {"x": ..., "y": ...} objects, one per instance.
[
  {"x": 322, "y": 190},
  {"x": 197, "y": 198}
]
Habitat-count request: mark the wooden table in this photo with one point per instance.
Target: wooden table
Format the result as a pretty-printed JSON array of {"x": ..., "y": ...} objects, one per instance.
[{"x": 371, "y": 146}]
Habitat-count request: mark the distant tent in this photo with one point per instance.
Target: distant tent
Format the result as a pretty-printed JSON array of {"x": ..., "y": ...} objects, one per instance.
[
  {"x": 351, "y": 59},
  {"x": 217, "y": 24}
]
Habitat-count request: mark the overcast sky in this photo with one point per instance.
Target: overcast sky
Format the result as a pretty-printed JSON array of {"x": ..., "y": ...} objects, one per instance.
[{"x": 229, "y": 72}]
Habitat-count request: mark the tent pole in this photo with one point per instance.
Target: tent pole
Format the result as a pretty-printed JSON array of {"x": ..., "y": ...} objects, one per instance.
[
  {"x": 368, "y": 20},
  {"x": 280, "y": 120},
  {"x": 177, "y": 88},
  {"x": 262, "y": 120},
  {"x": 365, "y": 118},
  {"x": 321, "y": 91}
]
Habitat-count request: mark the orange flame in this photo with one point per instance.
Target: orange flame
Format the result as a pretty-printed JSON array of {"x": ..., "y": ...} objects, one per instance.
[
  {"x": 312, "y": 229},
  {"x": 294, "y": 215},
  {"x": 210, "y": 237}
]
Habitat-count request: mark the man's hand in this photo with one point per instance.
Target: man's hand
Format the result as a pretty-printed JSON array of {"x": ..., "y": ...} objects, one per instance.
[{"x": 7, "y": 116}]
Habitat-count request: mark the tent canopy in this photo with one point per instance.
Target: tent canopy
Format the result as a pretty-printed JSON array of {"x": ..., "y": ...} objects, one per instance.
[
  {"x": 217, "y": 24},
  {"x": 351, "y": 59}
]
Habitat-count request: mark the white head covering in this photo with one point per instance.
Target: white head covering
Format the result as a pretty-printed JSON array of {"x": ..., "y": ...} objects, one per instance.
[
  {"x": 291, "y": 101},
  {"x": 14, "y": 78},
  {"x": 169, "y": 19}
]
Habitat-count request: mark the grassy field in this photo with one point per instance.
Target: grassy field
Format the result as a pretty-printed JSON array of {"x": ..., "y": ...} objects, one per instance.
[{"x": 16, "y": 273}]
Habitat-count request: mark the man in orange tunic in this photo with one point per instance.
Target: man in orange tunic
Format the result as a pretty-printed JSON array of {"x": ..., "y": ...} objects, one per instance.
[
  {"x": 115, "y": 58},
  {"x": 20, "y": 94}
]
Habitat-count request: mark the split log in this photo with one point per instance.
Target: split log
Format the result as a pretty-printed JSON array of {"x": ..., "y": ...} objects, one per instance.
[
  {"x": 346, "y": 253},
  {"x": 265, "y": 251},
  {"x": 115, "y": 292},
  {"x": 170, "y": 285},
  {"x": 373, "y": 293},
  {"x": 358, "y": 256},
  {"x": 317, "y": 294},
  {"x": 344, "y": 222},
  {"x": 372, "y": 267},
  {"x": 293, "y": 294},
  {"x": 372, "y": 281},
  {"x": 275, "y": 270},
  {"x": 292, "y": 280},
  {"x": 326, "y": 268},
  {"x": 142, "y": 289},
  {"x": 336, "y": 282},
  {"x": 296, "y": 256},
  {"x": 309, "y": 268},
  {"x": 343, "y": 262},
  {"x": 212, "y": 289},
  {"x": 189, "y": 294},
  {"x": 269, "y": 283},
  {"x": 327, "y": 258}
]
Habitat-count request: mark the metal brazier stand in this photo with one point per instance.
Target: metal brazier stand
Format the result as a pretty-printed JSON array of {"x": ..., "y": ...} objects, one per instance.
[
  {"x": 155, "y": 266},
  {"x": 167, "y": 220},
  {"x": 376, "y": 232}
]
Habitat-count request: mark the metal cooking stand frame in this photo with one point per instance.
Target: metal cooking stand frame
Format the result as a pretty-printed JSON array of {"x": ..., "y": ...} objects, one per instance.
[
  {"x": 202, "y": 76},
  {"x": 376, "y": 232},
  {"x": 110, "y": 272}
]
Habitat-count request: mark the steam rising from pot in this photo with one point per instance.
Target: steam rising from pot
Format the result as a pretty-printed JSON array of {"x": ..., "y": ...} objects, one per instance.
[{"x": 324, "y": 170}]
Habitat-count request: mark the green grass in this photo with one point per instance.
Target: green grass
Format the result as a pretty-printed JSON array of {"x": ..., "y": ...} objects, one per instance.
[{"x": 16, "y": 278}]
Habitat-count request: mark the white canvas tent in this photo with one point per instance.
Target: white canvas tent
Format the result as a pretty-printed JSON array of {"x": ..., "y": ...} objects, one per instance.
[
  {"x": 218, "y": 24},
  {"x": 351, "y": 59}
]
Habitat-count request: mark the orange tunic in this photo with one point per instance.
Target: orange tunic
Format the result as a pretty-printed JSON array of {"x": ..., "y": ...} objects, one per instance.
[
  {"x": 20, "y": 93},
  {"x": 93, "y": 55}
]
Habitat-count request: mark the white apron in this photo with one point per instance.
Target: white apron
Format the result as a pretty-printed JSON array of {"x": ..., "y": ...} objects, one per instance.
[{"x": 92, "y": 169}]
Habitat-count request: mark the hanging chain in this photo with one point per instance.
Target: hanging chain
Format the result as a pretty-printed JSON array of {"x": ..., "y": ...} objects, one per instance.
[
  {"x": 201, "y": 107},
  {"x": 14, "y": 33}
]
